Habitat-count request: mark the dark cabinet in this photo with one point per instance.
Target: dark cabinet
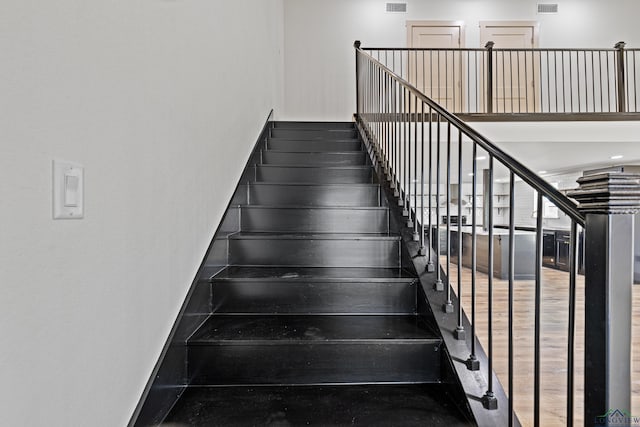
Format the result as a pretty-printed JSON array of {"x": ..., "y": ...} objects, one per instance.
[
  {"x": 549, "y": 249},
  {"x": 556, "y": 246},
  {"x": 563, "y": 247}
]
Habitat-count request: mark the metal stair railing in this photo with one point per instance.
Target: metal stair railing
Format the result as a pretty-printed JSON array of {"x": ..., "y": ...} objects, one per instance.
[
  {"x": 431, "y": 158},
  {"x": 523, "y": 84}
]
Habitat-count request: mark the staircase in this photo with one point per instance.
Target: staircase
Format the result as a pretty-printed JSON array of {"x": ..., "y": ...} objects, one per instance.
[{"x": 319, "y": 317}]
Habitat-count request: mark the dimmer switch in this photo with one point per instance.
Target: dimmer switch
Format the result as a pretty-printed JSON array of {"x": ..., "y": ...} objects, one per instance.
[{"x": 68, "y": 190}]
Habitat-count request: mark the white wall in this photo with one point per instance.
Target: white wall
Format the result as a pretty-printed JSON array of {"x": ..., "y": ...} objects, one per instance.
[
  {"x": 161, "y": 102},
  {"x": 319, "y": 35}
]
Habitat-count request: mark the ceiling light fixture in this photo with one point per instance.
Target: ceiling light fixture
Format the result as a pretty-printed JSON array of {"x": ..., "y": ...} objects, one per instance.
[{"x": 617, "y": 156}]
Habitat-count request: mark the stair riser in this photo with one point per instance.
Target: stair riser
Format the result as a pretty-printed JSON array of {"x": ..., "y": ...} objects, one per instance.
[
  {"x": 309, "y": 220},
  {"x": 313, "y": 146},
  {"x": 353, "y": 158},
  {"x": 305, "y": 134},
  {"x": 314, "y": 175},
  {"x": 302, "y": 363},
  {"x": 314, "y": 253},
  {"x": 302, "y": 195},
  {"x": 303, "y": 296},
  {"x": 314, "y": 125}
]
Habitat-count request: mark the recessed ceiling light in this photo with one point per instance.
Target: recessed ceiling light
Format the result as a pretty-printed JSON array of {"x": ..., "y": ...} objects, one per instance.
[
  {"x": 481, "y": 158},
  {"x": 617, "y": 156},
  {"x": 542, "y": 172},
  {"x": 471, "y": 174}
]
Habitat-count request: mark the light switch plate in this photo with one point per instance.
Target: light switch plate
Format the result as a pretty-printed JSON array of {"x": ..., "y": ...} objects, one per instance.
[{"x": 68, "y": 190}]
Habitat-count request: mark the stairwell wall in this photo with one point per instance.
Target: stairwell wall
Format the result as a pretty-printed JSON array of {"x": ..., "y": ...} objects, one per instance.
[{"x": 161, "y": 102}]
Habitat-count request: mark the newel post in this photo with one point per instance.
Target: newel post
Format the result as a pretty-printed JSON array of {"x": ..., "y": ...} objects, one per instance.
[
  {"x": 357, "y": 45},
  {"x": 489, "y": 47},
  {"x": 609, "y": 202},
  {"x": 621, "y": 83}
]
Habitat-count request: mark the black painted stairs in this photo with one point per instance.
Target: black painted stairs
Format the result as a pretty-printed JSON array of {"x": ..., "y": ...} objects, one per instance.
[{"x": 317, "y": 318}]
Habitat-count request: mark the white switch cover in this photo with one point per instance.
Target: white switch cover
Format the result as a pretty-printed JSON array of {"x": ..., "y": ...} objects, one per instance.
[{"x": 68, "y": 190}]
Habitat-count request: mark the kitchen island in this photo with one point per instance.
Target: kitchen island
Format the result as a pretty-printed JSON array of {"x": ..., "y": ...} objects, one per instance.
[{"x": 525, "y": 254}]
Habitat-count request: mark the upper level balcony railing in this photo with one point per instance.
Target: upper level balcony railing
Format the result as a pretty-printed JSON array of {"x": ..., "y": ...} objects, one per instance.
[{"x": 593, "y": 84}]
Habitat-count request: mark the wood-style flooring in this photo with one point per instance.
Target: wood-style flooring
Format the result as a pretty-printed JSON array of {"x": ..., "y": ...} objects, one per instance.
[{"x": 554, "y": 320}]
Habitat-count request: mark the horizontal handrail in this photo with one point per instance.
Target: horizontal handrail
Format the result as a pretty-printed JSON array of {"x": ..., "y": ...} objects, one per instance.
[
  {"x": 565, "y": 204},
  {"x": 495, "y": 49}
]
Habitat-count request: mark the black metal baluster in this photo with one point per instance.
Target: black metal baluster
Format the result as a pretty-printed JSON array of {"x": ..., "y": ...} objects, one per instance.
[
  {"x": 608, "y": 83},
  {"x": 385, "y": 113},
  {"x": 578, "y": 80},
  {"x": 511, "y": 78},
  {"x": 478, "y": 84},
  {"x": 439, "y": 100},
  {"x": 448, "y": 306},
  {"x": 489, "y": 400},
  {"x": 593, "y": 83},
  {"x": 439, "y": 286},
  {"x": 422, "y": 249},
  {"x": 430, "y": 264},
  {"x": 468, "y": 82},
  {"x": 459, "y": 333},
  {"x": 600, "y": 81},
  {"x": 473, "y": 364},
  {"x": 538, "y": 297},
  {"x": 407, "y": 160},
  {"x": 548, "y": 84},
  {"x": 453, "y": 81},
  {"x": 555, "y": 76},
  {"x": 424, "y": 74},
  {"x": 564, "y": 96},
  {"x": 404, "y": 172},
  {"x": 512, "y": 260},
  {"x": 416, "y": 237},
  {"x": 396, "y": 142},
  {"x": 390, "y": 115},
  {"x": 446, "y": 80},
  {"x": 573, "y": 273},
  {"x": 431, "y": 78},
  {"x": 526, "y": 83},
  {"x": 504, "y": 85},
  {"x": 635, "y": 84},
  {"x": 488, "y": 81}
]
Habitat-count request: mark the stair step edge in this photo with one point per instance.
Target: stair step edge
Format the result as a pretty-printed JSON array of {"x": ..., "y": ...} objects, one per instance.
[{"x": 332, "y": 341}]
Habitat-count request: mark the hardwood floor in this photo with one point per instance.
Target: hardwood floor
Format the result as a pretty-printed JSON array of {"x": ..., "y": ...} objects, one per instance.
[{"x": 554, "y": 321}]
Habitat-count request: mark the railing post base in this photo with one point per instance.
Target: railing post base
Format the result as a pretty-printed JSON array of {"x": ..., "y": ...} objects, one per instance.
[
  {"x": 431, "y": 268},
  {"x": 409, "y": 222},
  {"x": 422, "y": 251},
  {"x": 472, "y": 363},
  {"x": 460, "y": 334},
  {"x": 416, "y": 238},
  {"x": 447, "y": 307},
  {"x": 489, "y": 400},
  {"x": 609, "y": 202},
  {"x": 439, "y": 285}
]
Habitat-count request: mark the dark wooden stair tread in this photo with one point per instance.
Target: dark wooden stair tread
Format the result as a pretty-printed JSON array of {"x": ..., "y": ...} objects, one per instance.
[
  {"x": 245, "y": 273},
  {"x": 327, "y": 328},
  {"x": 362, "y": 405}
]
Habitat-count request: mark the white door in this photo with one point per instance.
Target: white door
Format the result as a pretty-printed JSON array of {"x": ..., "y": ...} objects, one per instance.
[
  {"x": 437, "y": 73},
  {"x": 515, "y": 78}
]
